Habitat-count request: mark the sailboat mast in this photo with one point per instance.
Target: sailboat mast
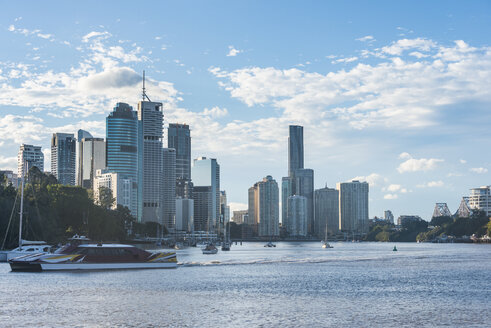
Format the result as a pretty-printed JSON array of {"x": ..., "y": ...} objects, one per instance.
[{"x": 21, "y": 206}]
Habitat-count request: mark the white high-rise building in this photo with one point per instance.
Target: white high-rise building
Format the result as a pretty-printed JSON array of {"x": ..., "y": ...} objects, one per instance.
[
  {"x": 28, "y": 157},
  {"x": 353, "y": 207},
  {"x": 91, "y": 157},
  {"x": 120, "y": 187},
  {"x": 480, "y": 199},
  {"x": 297, "y": 216},
  {"x": 63, "y": 155},
  {"x": 150, "y": 124}
]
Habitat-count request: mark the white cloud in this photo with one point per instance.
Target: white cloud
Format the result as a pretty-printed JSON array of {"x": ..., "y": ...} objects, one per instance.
[
  {"x": 345, "y": 60},
  {"x": 390, "y": 196},
  {"x": 367, "y": 38},
  {"x": 415, "y": 165},
  {"x": 237, "y": 207},
  {"x": 397, "y": 48},
  {"x": 394, "y": 187},
  {"x": 479, "y": 170},
  {"x": 372, "y": 179},
  {"x": 95, "y": 34},
  {"x": 8, "y": 163},
  {"x": 462, "y": 161},
  {"x": 431, "y": 184},
  {"x": 233, "y": 52},
  {"x": 215, "y": 112}
]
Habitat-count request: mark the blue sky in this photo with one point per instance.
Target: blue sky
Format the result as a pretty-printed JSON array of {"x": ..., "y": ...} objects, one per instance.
[{"x": 392, "y": 92}]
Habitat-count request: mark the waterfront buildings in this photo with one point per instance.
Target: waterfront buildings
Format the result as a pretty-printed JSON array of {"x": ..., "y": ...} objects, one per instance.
[
  {"x": 286, "y": 191},
  {"x": 297, "y": 216},
  {"x": 91, "y": 157},
  {"x": 405, "y": 219},
  {"x": 122, "y": 150},
  {"x": 224, "y": 211},
  {"x": 353, "y": 207},
  {"x": 480, "y": 199},
  {"x": 121, "y": 187},
  {"x": 239, "y": 217},
  {"x": 179, "y": 138},
  {"x": 304, "y": 186},
  {"x": 169, "y": 188},
  {"x": 326, "y": 212},
  {"x": 388, "y": 216},
  {"x": 10, "y": 178},
  {"x": 205, "y": 172},
  {"x": 185, "y": 214},
  {"x": 63, "y": 156},
  {"x": 264, "y": 207},
  {"x": 28, "y": 157},
  {"x": 150, "y": 123}
]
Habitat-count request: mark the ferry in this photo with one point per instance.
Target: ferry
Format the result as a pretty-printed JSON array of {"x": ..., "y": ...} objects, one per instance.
[{"x": 95, "y": 257}]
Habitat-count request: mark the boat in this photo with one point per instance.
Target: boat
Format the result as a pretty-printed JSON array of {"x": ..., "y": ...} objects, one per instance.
[
  {"x": 210, "y": 249},
  {"x": 394, "y": 249},
  {"x": 26, "y": 247},
  {"x": 76, "y": 256},
  {"x": 226, "y": 246},
  {"x": 226, "y": 241},
  {"x": 325, "y": 244},
  {"x": 270, "y": 244}
]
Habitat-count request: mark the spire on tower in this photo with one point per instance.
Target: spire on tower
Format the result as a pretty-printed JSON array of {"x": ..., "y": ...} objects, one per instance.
[{"x": 144, "y": 95}]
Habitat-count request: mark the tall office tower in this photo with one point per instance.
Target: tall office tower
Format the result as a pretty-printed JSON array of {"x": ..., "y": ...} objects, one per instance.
[
  {"x": 480, "y": 199},
  {"x": 80, "y": 135},
  {"x": 295, "y": 149},
  {"x": 297, "y": 214},
  {"x": 150, "y": 122},
  {"x": 326, "y": 212},
  {"x": 353, "y": 207},
  {"x": 388, "y": 216},
  {"x": 304, "y": 186},
  {"x": 184, "y": 188},
  {"x": 28, "y": 157},
  {"x": 63, "y": 158},
  {"x": 91, "y": 157},
  {"x": 253, "y": 201},
  {"x": 265, "y": 198},
  {"x": 286, "y": 191},
  {"x": 122, "y": 149},
  {"x": 224, "y": 211},
  {"x": 179, "y": 138},
  {"x": 184, "y": 214},
  {"x": 169, "y": 188},
  {"x": 203, "y": 208},
  {"x": 119, "y": 186},
  {"x": 206, "y": 173}
]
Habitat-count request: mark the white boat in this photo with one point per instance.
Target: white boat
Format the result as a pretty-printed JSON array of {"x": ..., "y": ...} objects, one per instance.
[
  {"x": 95, "y": 257},
  {"x": 325, "y": 244},
  {"x": 210, "y": 249},
  {"x": 270, "y": 244}
]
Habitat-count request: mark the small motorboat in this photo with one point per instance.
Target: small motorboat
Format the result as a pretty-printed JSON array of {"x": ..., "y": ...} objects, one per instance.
[
  {"x": 210, "y": 249},
  {"x": 327, "y": 245},
  {"x": 270, "y": 244},
  {"x": 95, "y": 257},
  {"x": 394, "y": 249},
  {"x": 226, "y": 246}
]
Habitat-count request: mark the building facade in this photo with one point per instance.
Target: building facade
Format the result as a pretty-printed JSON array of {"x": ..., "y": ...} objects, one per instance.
[
  {"x": 239, "y": 217},
  {"x": 203, "y": 208},
  {"x": 206, "y": 173},
  {"x": 179, "y": 138},
  {"x": 297, "y": 214},
  {"x": 304, "y": 186},
  {"x": 120, "y": 187},
  {"x": 286, "y": 191},
  {"x": 295, "y": 149},
  {"x": 29, "y": 156},
  {"x": 184, "y": 214},
  {"x": 150, "y": 123},
  {"x": 353, "y": 207},
  {"x": 326, "y": 212},
  {"x": 480, "y": 199},
  {"x": 91, "y": 157},
  {"x": 169, "y": 188},
  {"x": 265, "y": 207},
  {"x": 122, "y": 149},
  {"x": 63, "y": 155}
]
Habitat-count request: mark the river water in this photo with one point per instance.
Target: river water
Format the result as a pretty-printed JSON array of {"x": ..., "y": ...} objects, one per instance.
[{"x": 292, "y": 285}]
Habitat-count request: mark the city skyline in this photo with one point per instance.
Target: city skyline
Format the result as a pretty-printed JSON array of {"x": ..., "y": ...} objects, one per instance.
[{"x": 399, "y": 105}]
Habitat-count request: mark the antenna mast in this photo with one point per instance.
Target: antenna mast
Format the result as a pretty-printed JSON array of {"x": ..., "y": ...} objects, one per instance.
[{"x": 144, "y": 95}]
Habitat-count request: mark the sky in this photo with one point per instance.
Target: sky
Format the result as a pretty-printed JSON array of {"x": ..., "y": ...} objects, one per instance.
[{"x": 395, "y": 93}]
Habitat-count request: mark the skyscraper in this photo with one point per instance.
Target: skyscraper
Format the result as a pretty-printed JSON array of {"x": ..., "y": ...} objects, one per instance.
[
  {"x": 295, "y": 149},
  {"x": 185, "y": 214},
  {"x": 206, "y": 173},
  {"x": 304, "y": 186},
  {"x": 122, "y": 149},
  {"x": 326, "y": 212},
  {"x": 28, "y": 157},
  {"x": 286, "y": 191},
  {"x": 63, "y": 158},
  {"x": 265, "y": 206},
  {"x": 120, "y": 187},
  {"x": 150, "y": 122},
  {"x": 353, "y": 207},
  {"x": 297, "y": 214},
  {"x": 169, "y": 188},
  {"x": 179, "y": 138},
  {"x": 91, "y": 157},
  {"x": 203, "y": 208}
]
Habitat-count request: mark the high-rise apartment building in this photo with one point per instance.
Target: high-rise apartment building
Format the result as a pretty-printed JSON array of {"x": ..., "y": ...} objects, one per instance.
[
  {"x": 205, "y": 172},
  {"x": 203, "y": 208},
  {"x": 150, "y": 123},
  {"x": 295, "y": 149},
  {"x": 388, "y": 216},
  {"x": 297, "y": 214},
  {"x": 120, "y": 187},
  {"x": 29, "y": 156},
  {"x": 304, "y": 186},
  {"x": 179, "y": 138},
  {"x": 480, "y": 199},
  {"x": 91, "y": 157},
  {"x": 122, "y": 150},
  {"x": 63, "y": 154},
  {"x": 326, "y": 212},
  {"x": 169, "y": 188},
  {"x": 353, "y": 207},
  {"x": 265, "y": 206}
]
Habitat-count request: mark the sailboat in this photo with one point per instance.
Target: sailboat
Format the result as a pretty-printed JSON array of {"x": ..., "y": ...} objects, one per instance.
[
  {"x": 226, "y": 239},
  {"x": 26, "y": 247},
  {"x": 325, "y": 244},
  {"x": 210, "y": 247}
]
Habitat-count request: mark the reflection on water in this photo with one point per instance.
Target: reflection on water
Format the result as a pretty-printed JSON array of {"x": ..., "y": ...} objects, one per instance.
[{"x": 292, "y": 285}]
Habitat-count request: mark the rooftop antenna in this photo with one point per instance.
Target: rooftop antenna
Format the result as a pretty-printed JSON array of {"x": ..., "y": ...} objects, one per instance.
[{"x": 144, "y": 95}]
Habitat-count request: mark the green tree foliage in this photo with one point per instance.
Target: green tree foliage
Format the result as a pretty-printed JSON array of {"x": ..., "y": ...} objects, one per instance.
[
  {"x": 106, "y": 198},
  {"x": 441, "y": 220}
]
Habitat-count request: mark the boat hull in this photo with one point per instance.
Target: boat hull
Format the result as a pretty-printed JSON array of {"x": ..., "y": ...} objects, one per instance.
[{"x": 36, "y": 267}]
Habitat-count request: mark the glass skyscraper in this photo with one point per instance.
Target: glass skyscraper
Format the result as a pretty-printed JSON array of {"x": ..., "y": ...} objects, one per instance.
[
  {"x": 179, "y": 138},
  {"x": 122, "y": 148},
  {"x": 295, "y": 149},
  {"x": 63, "y": 156}
]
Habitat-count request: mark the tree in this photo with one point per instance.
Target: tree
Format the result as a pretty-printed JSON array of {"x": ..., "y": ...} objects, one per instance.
[
  {"x": 106, "y": 199},
  {"x": 437, "y": 221}
]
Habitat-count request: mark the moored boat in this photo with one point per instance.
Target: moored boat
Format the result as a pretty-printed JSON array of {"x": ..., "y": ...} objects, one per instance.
[
  {"x": 210, "y": 249},
  {"x": 95, "y": 257}
]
